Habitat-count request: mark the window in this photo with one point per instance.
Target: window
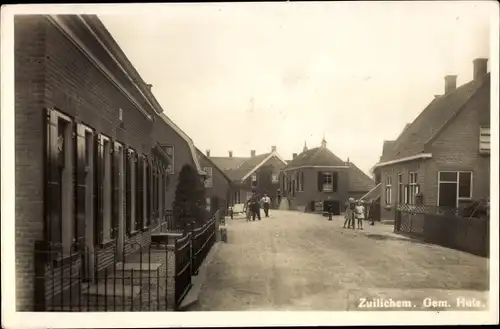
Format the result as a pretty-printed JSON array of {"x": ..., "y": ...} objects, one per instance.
[
  {"x": 327, "y": 182},
  {"x": 484, "y": 140},
  {"x": 106, "y": 150},
  {"x": 400, "y": 188},
  {"x": 301, "y": 181},
  {"x": 414, "y": 187},
  {"x": 254, "y": 180},
  {"x": 60, "y": 222},
  {"x": 275, "y": 178},
  {"x": 169, "y": 149},
  {"x": 208, "y": 179},
  {"x": 388, "y": 190},
  {"x": 454, "y": 187}
]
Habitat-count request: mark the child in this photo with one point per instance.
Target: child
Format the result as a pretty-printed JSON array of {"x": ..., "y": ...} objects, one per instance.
[
  {"x": 360, "y": 214},
  {"x": 349, "y": 213}
]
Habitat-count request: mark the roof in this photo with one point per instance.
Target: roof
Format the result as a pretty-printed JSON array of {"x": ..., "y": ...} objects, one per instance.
[
  {"x": 99, "y": 31},
  {"x": 238, "y": 168},
  {"x": 201, "y": 155},
  {"x": 373, "y": 194},
  {"x": 358, "y": 180},
  {"x": 388, "y": 145},
  {"x": 228, "y": 163},
  {"x": 318, "y": 156},
  {"x": 432, "y": 120}
]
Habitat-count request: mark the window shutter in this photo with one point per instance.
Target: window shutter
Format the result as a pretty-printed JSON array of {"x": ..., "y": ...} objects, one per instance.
[
  {"x": 128, "y": 187},
  {"x": 115, "y": 183},
  {"x": 335, "y": 178},
  {"x": 98, "y": 233},
  {"x": 80, "y": 186},
  {"x": 53, "y": 229},
  {"x": 149, "y": 190},
  {"x": 320, "y": 181}
]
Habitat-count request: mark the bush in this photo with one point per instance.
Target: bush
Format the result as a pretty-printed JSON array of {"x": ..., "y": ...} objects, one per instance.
[{"x": 189, "y": 204}]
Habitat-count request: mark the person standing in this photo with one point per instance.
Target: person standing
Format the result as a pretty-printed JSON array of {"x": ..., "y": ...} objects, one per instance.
[
  {"x": 360, "y": 214},
  {"x": 350, "y": 213},
  {"x": 266, "y": 202},
  {"x": 254, "y": 204}
]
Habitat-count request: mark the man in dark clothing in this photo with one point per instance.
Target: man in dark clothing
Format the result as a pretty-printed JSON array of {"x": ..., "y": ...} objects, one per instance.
[{"x": 254, "y": 204}]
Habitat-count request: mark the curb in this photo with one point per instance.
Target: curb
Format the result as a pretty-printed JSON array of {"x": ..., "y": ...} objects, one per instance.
[{"x": 197, "y": 281}]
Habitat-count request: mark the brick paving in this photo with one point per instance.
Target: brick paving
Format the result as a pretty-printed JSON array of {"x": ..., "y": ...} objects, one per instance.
[{"x": 296, "y": 261}]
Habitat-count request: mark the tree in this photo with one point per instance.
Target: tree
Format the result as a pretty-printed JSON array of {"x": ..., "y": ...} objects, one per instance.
[{"x": 189, "y": 204}]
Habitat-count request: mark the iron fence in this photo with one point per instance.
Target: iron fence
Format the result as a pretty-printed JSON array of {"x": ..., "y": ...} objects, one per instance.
[
  {"x": 444, "y": 226},
  {"x": 183, "y": 267},
  {"x": 130, "y": 279},
  {"x": 203, "y": 239}
]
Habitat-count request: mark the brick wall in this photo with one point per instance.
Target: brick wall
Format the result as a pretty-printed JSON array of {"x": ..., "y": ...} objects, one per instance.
[
  {"x": 457, "y": 148},
  {"x": 220, "y": 185},
  {"x": 50, "y": 71},
  {"x": 264, "y": 180},
  {"x": 164, "y": 134},
  {"x": 310, "y": 191},
  {"x": 29, "y": 52}
]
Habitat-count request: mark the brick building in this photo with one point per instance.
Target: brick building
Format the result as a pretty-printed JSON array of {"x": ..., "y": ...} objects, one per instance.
[
  {"x": 96, "y": 157},
  {"x": 259, "y": 173},
  {"x": 217, "y": 183},
  {"x": 316, "y": 179},
  {"x": 443, "y": 157}
]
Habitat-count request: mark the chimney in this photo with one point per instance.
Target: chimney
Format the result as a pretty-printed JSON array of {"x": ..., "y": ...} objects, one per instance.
[
  {"x": 480, "y": 67},
  {"x": 450, "y": 83},
  {"x": 273, "y": 148},
  {"x": 208, "y": 153},
  {"x": 230, "y": 154},
  {"x": 252, "y": 153},
  {"x": 294, "y": 155}
]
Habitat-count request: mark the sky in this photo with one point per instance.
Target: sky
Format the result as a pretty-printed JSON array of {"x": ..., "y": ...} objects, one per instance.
[{"x": 247, "y": 76}]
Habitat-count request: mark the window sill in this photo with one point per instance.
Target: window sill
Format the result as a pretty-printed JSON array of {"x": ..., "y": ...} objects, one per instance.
[
  {"x": 134, "y": 233},
  {"x": 106, "y": 243},
  {"x": 65, "y": 260},
  {"x": 388, "y": 206}
]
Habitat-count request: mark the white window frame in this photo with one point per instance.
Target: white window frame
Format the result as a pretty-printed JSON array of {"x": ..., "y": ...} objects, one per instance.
[
  {"x": 275, "y": 178},
  {"x": 457, "y": 182},
  {"x": 300, "y": 175},
  {"x": 484, "y": 140},
  {"x": 170, "y": 150},
  {"x": 107, "y": 188},
  {"x": 254, "y": 180},
  {"x": 388, "y": 189},
  {"x": 400, "y": 188},
  {"x": 327, "y": 187},
  {"x": 133, "y": 190},
  {"x": 209, "y": 178},
  {"x": 413, "y": 187},
  {"x": 68, "y": 189}
]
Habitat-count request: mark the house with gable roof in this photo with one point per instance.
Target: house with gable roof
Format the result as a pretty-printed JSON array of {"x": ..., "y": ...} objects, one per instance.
[
  {"x": 259, "y": 173},
  {"x": 443, "y": 157},
  {"x": 217, "y": 183},
  {"x": 318, "y": 178}
]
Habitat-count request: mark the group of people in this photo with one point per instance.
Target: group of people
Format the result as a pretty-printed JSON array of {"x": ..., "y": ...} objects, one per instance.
[
  {"x": 254, "y": 204},
  {"x": 355, "y": 212}
]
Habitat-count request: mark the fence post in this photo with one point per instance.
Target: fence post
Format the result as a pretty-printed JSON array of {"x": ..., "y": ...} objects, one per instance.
[
  {"x": 397, "y": 219},
  {"x": 170, "y": 273},
  {"x": 217, "y": 225}
]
